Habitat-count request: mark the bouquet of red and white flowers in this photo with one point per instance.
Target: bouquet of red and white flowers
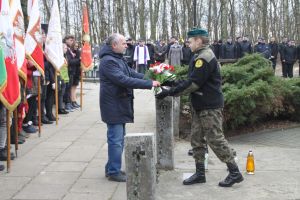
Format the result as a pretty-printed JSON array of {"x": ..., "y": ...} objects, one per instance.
[{"x": 161, "y": 72}]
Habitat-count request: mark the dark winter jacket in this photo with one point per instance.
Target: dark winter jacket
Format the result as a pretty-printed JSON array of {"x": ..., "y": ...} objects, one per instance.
[
  {"x": 228, "y": 51},
  {"x": 160, "y": 49},
  {"x": 216, "y": 49},
  {"x": 289, "y": 54},
  {"x": 281, "y": 48},
  {"x": 151, "y": 51},
  {"x": 187, "y": 55},
  {"x": 129, "y": 54},
  {"x": 117, "y": 81},
  {"x": 274, "y": 50},
  {"x": 298, "y": 50},
  {"x": 73, "y": 59},
  {"x": 245, "y": 47},
  {"x": 263, "y": 49}
]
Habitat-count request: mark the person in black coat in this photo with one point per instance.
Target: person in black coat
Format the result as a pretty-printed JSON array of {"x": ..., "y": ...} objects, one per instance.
[
  {"x": 117, "y": 81},
  {"x": 246, "y": 47},
  {"x": 215, "y": 47},
  {"x": 298, "y": 50},
  {"x": 151, "y": 51},
  {"x": 274, "y": 52},
  {"x": 289, "y": 58},
  {"x": 73, "y": 59},
  {"x": 281, "y": 48},
  {"x": 129, "y": 53},
  {"x": 187, "y": 53},
  {"x": 262, "y": 48},
  {"x": 228, "y": 50},
  {"x": 160, "y": 50}
]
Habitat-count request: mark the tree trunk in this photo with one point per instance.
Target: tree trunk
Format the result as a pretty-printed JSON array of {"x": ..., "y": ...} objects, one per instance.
[{"x": 224, "y": 13}]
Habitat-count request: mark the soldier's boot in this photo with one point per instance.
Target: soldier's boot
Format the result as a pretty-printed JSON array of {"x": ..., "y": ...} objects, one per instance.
[
  {"x": 198, "y": 177},
  {"x": 233, "y": 177}
]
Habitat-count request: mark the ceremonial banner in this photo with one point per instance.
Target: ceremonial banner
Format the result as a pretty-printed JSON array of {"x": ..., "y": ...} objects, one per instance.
[
  {"x": 19, "y": 36},
  {"x": 86, "y": 52},
  {"x": 54, "y": 47},
  {"x": 10, "y": 96},
  {"x": 3, "y": 75},
  {"x": 33, "y": 39}
]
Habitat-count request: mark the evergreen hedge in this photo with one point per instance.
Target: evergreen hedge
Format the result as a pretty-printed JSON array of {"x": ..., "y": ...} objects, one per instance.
[{"x": 253, "y": 94}]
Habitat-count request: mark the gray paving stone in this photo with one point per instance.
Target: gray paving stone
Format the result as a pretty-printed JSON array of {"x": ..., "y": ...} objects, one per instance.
[
  {"x": 66, "y": 167},
  {"x": 42, "y": 191}
]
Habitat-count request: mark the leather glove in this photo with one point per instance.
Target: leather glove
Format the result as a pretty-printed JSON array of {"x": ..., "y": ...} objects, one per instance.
[
  {"x": 164, "y": 93},
  {"x": 169, "y": 83}
]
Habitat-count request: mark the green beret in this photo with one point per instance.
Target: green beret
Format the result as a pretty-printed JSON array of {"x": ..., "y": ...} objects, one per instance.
[{"x": 197, "y": 32}]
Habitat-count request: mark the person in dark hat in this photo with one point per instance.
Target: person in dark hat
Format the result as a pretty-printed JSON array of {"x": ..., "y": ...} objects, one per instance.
[{"x": 204, "y": 87}]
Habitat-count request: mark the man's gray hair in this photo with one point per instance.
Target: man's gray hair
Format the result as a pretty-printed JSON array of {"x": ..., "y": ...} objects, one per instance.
[{"x": 113, "y": 39}]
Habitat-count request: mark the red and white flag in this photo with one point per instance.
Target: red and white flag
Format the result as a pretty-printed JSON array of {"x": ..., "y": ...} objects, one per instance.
[
  {"x": 33, "y": 39},
  {"x": 10, "y": 96},
  {"x": 17, "y": 19},
  {"x": 54, "y": 47},
  {"x": 86, "y": 51}
]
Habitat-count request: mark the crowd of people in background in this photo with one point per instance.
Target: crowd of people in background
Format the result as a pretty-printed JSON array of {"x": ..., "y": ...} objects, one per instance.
[
  {"x": 68, "y": 80},
  {"x": 141, "y": 54}
]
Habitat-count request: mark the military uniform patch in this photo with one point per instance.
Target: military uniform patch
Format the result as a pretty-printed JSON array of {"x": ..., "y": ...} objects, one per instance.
[{"x": 198, "y": 63}]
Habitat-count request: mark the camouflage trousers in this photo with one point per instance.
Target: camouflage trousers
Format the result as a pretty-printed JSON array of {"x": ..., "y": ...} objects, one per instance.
[{"x": 207, "y": 130}]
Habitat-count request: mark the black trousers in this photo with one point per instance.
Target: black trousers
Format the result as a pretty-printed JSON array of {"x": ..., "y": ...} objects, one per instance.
[
  {"x": 273, "y": 63},
  {"x": 43, "y": 100},
  {"x": 32, "y": 108},
  {"x": 288, "y": 70},
  {"x": 49, "y": 100},
  {"x": 61, "y": 92}
]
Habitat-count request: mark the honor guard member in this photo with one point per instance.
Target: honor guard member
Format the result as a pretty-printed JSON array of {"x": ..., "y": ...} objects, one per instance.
[{"x": 204, "y": 86}]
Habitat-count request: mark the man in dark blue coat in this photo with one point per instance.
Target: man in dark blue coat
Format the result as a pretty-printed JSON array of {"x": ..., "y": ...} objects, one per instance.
[
  {"x": 289, "y": 57},
  {"x": 117, "y": 81},
  {"x": 262, "y": 48},
  {"x": 228, "y": 50}
]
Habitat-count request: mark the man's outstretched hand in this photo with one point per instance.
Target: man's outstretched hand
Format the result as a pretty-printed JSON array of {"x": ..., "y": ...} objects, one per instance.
[{"x": 155, "y": 84}]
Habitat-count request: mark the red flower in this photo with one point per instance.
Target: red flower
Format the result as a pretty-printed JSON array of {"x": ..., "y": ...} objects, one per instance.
[{"x": 171, "y": 68}]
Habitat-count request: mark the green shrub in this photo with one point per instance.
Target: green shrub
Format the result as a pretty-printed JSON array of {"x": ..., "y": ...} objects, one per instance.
[{"x": 253, "y": 94}]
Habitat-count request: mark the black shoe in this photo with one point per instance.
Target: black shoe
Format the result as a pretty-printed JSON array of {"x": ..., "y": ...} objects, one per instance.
[
  {"x": 2, "y": 167},
  {"x": 3, "y": 155},
  {"x": 51, "y": 118},
  {"x": 75, "y": 104},
  {"x": 117, "y": 178},
  {"x": 191, "y": 152},
  {"x": 233, "y": 177},
  {"x": 62, "y": 112},
  {"x": 45, "y": 120},
  {"x": 198, "y": 177},
  {"x": 21, "y": 140},
  {"x": 122, "y": 172}
]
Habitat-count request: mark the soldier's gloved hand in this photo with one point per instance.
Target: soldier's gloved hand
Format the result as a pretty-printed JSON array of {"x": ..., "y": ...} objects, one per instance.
[
  {"x": 168, "y": 83},
  {"x": 162, "y": 94},
  {"x": 165, "y": 93}
]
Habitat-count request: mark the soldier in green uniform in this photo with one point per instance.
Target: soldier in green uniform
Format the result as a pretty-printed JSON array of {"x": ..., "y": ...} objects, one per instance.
[{"x": 204, "y": 86}]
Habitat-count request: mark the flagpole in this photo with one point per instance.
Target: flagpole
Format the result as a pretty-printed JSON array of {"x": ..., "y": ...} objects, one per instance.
[
  {"x": 16, "y": 132},
  {"x": 39, "y": 105},
  {"x": 81, "y": 90},
  {"x": 56, "y": 97},
  {"x": 8, "y": 139}
]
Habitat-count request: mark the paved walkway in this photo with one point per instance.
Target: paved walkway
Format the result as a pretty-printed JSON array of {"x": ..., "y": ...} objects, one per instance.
[{"x": 67, "y": 162}]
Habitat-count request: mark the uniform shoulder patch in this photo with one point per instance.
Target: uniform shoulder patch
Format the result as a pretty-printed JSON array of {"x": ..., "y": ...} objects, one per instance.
[
  {"x": 206, "y": 55},
  {"x": 199, "y": 63}
]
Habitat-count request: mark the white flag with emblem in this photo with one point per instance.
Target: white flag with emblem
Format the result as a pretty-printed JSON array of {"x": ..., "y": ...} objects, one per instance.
[
  {"x": 54, "y": 46},
  {"x": 17, "y": 19}
]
